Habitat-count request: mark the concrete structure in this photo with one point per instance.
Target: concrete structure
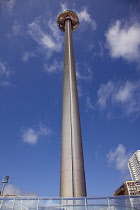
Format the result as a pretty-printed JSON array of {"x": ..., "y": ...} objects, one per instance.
[
  {"x": 128, "y": 188},
  {"x": 72, "y": 175},
  {"x": 134, "y": 166}
]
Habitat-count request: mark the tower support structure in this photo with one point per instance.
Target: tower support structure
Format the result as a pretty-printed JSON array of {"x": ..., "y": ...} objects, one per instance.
[{"x": 72, "y": 173}]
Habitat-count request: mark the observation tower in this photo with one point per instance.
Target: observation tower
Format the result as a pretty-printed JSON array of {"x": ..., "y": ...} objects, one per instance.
[{"x": 72, "y": 174}]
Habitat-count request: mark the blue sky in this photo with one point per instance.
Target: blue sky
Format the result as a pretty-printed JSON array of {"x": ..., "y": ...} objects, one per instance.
[{"x": 107, "y": 56}]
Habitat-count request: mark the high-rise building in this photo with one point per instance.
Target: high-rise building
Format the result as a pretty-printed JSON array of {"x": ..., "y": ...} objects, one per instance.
[
  {"x": 134, "y": 166},
  {"x": 72, "y": 173}
]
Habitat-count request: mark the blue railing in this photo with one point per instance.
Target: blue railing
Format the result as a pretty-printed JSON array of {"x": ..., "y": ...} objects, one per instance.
[{"x": 88, "y": 203}]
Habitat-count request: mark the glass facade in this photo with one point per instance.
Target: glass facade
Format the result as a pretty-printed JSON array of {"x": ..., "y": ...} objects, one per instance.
[{"x": 88, "y": 203}]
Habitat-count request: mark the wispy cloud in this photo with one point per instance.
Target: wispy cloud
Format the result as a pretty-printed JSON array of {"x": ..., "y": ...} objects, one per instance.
[
  {"x": 88, "y": 75},
  {"x": 85, "y": 74},
  {"x": 5, "y": 84},
  {"x": 104, "y": 93},
  {"x": 124, "y": 96},
  {"x": 8, "y": 4},
  {"x": 63, "y": 6},
  {"x": 54, "y": 67},
  {"x": 80, "y": 91},
  {"x": 14, "y": 190},
  {"x": 32, "y": 136},
  {"x": 83, "y": 15},
  {"x": 27, "y": 204},
  {"x": 123, "y": 40},
  {"x": 5, "y": 73},
  {"x": 89, "y": 104},
  {"x": 85, "y": 18},
  {"x": 28, "y": 55},
  {"x": 17, "y": 29},
  {"x": 4, "y": 70},
  {"x": 49, "y": 40},
  {"x": 119, "y": 158}
]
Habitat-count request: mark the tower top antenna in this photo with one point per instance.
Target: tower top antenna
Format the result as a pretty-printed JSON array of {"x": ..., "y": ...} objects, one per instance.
[{"x": 68, "y": 15}]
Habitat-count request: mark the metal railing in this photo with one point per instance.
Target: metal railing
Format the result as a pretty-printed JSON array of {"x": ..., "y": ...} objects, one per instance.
[{"x": 87, "y": 203}]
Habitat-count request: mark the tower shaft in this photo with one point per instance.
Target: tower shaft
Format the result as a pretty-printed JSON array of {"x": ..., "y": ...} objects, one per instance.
[{"x": 72, "y": 175}]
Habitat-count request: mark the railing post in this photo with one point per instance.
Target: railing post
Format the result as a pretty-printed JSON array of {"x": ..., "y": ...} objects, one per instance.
[
  {"x": 1, "y": 204},
  {"x": 21, "y": 204},
  {"x": 108, "y": 202},
  {"x": 38, "y": 204},
  {"x": 85, "y": 203},
  {"x": 13, "y": 204}
]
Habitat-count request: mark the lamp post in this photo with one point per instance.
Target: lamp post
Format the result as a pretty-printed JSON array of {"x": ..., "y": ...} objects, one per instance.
[{"x": 4, "y": 183}]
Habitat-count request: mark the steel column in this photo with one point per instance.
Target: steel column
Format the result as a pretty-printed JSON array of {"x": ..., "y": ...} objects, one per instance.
[{"x": 72, "y": 175}]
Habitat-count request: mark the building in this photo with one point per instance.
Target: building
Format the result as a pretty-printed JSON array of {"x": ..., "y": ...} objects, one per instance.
[
  {"x": 128, "y": 188},
  {"x": 72, "y": 173},
  {"x": 134, "y": 166},
  {"x": 132, "y": 190}
]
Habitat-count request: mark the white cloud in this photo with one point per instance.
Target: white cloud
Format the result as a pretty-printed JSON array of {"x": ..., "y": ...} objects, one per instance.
[
  {"x": 54, "y": 67},
  {"x": 119, "y": 157},
  {"x": 104, "y": 94},
  {"x": 63, "y": 6},
  {"x": 86, "y": 74},
  {"x": 12, "y": 190},
  {"x": 125, "y": 93},
  {"x": 4, "y": 70},
  {"x": 80, "y": 91},
  {"x": 28, "y": 55},
  {"x": 122, "y": 95},
  {"x": 50, "y": 40},
  {"x": 8, "y": 4},
  {"x": 5, "y": 84},
  {"x": 54, "y": 30},
  {"x": 32, "y": 136},
  {"x": 43, "y": 130},
  {"x": 85, "y": 17},
  {"x": 89, "y": 104},
  {"x": 5, "y": 73},
  {"x": 123, "y": 40},
  {"x": 17, "y": 29}
]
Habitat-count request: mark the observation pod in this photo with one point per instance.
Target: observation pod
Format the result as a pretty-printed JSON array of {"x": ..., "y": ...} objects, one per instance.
[{"x": 72, "y": 173}]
